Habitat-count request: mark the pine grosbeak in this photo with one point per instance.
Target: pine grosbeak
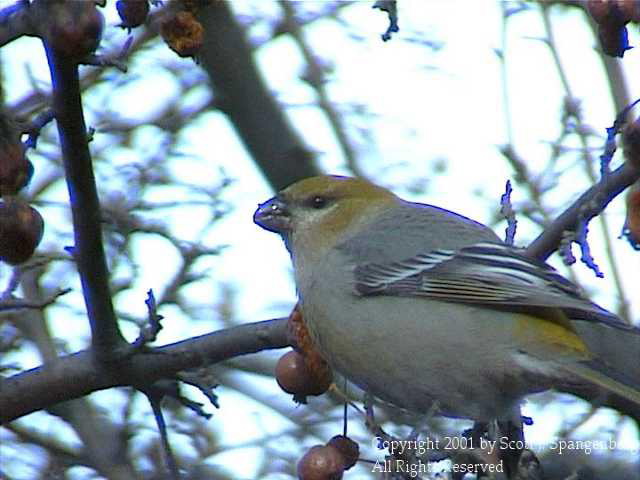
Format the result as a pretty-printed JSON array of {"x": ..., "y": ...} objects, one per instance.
[{"x": 416, "y": 304}]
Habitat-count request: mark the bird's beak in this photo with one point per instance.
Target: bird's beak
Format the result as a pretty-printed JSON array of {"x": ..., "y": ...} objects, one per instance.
[{"x": 273, "y": 215}]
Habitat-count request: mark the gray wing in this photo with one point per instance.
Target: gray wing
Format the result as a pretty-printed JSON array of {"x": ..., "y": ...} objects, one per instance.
[
  {"x": 372, "y": 243},
  {"x": 487, "y": 274}
]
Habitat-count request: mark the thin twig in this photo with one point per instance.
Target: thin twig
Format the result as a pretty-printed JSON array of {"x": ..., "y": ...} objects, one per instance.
[
  {"x": 506, "y": 208},
  {"x": 35, "y": 126},
  {"x": 588, "y": 164},
  {"x": 588, "y": 205},
  {"x": 316, "y": 78},
  {"x": 10, "y": 304}
]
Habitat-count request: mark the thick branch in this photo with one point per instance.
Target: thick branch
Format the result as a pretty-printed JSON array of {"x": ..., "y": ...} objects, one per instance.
[
  {"x": 16, "y": 21},
  {"x": 590, "y": 204},
  {"x": 315, "y": 76},
  {"x": 85, "y": 207},
  {"x": 243, "y": 96},
  {"x": 79, "y": 374}
]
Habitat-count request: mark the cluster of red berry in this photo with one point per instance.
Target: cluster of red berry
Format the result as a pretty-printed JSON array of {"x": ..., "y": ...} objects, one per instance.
[
  {"x": 21, "y": 226},
  {"x": 329, "y": 461},
  {"x": 303, "y": 372}
]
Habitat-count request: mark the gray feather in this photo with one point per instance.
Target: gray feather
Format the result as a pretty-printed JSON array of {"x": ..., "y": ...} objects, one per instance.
[{"x": 465, "y": 262}]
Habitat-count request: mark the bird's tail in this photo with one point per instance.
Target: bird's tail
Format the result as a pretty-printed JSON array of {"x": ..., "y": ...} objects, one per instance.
[{"x": 606, "y": 379}]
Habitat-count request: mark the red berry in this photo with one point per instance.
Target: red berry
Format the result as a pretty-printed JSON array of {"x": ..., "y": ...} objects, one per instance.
[
  {"x": 631, "y": 142},
  {"x": 630, "y": 9},
  {"x": 133, "y": 13},
  {"x": 321, "y": 462},
  {"x": 15, "y": 169},
  {"x": 348, "y": 448},
  {"x": 293, "y": 376},
  {"x": 21, "y": 228},
  {"x": 75, "y": 28},
  {"x": 598, "y": 9},
  {"x": 633, "y": 212},
  {"x": 302, "y": 339},
  {"x": 609, "y": 13}
]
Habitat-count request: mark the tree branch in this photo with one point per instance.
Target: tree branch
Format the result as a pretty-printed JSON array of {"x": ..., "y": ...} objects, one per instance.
[
  {"x": 587, "y": 206},
  {"x": 315, "y": 76},
  {"x": 88, "y": 250},
  {"x": 16, "y": 21},
  {"x": 80, "y": 374},
  {"x": 242, "y": 95}
]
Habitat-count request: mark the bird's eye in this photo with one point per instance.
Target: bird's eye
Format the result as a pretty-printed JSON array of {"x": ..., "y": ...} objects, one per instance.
[{"x": 318, "y": 202}]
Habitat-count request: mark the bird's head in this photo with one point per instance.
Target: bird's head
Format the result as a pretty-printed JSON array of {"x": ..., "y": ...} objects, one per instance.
[{"x": 320, "y": 211}]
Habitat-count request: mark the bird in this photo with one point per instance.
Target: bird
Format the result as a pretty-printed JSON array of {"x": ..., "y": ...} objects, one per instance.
[{"x": 425, "y": 309}]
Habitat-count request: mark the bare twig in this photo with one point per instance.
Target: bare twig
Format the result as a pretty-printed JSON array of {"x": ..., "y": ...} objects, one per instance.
[
  {"x": 103, "y": 61},
  {"x": 590, "y": 204},
  {"x": 149, "y": 332},
  {"x": 389, "y": 6},
  {"x": 113, "y": 59},
  {"x": 507, "y": 211},
  {"x": 10, "y": 304},
  {"x": 203, "y": 381},
  {"x": 33, "y": 128},
  {"x": 588, "y": 160},
  {"x": 610, "y": 146},
  {"x": 316, "y": 78},
  {"x": 243, "y": 96},
  {"x": 155, "y": 393}
]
